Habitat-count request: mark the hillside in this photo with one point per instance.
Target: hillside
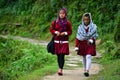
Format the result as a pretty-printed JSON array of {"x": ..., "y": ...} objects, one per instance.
[{"x": 32, "y": 18}]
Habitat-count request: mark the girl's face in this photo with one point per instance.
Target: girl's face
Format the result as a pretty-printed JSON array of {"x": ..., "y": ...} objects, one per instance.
[
  {"x": 86, "y": 20},
  {"x": 62, "y": 14}
]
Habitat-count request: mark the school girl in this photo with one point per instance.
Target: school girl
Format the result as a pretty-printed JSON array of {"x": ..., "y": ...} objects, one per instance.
[
  {"x": 61, "y": 33},
  {"x": 85, "y": 41}
]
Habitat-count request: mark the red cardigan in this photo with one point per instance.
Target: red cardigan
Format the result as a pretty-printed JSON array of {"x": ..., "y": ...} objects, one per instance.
[
  {"x": 84, "y": 41},
  {"x": 58, "y": 28}
]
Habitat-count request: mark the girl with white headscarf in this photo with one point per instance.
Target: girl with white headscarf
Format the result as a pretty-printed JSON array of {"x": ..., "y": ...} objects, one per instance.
[{"x": 85, "y": 41}]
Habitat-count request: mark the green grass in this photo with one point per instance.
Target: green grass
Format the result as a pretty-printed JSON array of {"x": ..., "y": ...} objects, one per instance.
[
  {"x": 110, "y": 60},
  {"x": 40, "y": 73},
  {"x": 18, "y": 58},
  {"x": 110, "y": 71}
]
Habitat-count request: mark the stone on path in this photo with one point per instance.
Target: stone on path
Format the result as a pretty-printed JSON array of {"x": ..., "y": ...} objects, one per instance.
[{"x": 74, "y": 65}]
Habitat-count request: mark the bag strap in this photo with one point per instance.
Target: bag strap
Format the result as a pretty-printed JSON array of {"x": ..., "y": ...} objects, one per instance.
[
  {"x": 54, "y": 28},
  {"x": 54, "y": 24}
]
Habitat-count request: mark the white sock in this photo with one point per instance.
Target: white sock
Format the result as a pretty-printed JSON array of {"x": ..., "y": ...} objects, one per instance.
[{"x": 88, "y": 62}]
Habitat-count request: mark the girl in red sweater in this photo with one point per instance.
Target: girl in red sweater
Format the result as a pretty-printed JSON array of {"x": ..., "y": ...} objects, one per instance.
[
  {"x": 85, "y": 41},
  {"x": 61, "y": 34}
]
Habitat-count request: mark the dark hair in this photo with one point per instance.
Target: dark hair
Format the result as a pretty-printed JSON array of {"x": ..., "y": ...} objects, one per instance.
[
  {"x": 87, "y": 15},
  {"x": 64, "y": 9}
]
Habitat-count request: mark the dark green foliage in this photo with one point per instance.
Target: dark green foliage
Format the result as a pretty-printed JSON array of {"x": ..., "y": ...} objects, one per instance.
[
  {"x": 117, "y": 33},
  {"x": 117, "y": 54},
  {"x": 36, "y": 15}
]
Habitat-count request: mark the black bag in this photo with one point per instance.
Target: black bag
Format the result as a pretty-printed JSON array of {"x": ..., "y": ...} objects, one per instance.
[{"x": 50, "y": 45}]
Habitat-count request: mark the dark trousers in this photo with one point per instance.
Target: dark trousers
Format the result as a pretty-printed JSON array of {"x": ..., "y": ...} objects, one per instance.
[{"x": 61, "y": 60}]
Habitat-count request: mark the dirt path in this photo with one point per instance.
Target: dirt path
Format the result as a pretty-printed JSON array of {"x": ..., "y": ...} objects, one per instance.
[
  {"x": 73, "y": 69},
  {"x": 33, "y": 41}
]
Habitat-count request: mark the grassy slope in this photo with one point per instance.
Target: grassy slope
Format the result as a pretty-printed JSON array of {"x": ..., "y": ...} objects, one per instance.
[
  {"x": 110, "y": 71},
  {"x": 40, "y": 73},
  {"x": 18, "y": 58}
]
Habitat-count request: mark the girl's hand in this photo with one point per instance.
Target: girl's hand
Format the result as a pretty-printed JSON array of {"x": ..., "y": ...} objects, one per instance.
[
  {"x": 76, "y": 48},
  {"x": 90, "y": 41},
  {"x": 62, "y": 34},
  {"x": 57, "y": 33}
]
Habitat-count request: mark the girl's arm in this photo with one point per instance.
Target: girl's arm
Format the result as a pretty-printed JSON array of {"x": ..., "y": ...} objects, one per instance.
[
  {"x": 77, "y": 42},
  {"x": 69, "y": 29},
  {"x": 52, "y": 28}
]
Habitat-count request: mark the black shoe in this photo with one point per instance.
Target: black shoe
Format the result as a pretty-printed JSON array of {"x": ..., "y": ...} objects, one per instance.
[
  {"x": 86, "y": 74},
  {"x": 60, "y": 72}
]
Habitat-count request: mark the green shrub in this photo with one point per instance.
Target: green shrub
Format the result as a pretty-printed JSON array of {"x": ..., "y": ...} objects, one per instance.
[{"x": 108, "y": 48}]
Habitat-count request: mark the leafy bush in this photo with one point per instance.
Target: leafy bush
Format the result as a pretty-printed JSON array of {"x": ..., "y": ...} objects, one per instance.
[{"x": 108, "y": 48}]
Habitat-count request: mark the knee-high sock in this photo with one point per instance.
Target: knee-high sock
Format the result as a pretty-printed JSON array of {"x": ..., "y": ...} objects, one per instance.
[{"x": 88, "y": 62}]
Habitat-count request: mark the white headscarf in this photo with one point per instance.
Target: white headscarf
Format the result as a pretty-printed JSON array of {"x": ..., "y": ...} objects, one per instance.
[{"x": 92, "y": 31}]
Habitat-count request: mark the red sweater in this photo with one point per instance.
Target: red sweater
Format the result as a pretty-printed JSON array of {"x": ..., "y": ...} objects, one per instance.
[
  {"x": 84, "y": 41},
  {"x": 58, "y": 28}
]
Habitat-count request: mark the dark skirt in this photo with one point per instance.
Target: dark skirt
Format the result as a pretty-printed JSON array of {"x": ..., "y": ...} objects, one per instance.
[
  {"x": 85, "y": 49},
  {"x": 62, "y": 48}
]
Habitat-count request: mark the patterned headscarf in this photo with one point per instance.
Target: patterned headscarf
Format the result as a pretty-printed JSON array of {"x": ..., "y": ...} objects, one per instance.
[
  {"x": 63, "y": 23},
  {"x": 92, "y": 32}
]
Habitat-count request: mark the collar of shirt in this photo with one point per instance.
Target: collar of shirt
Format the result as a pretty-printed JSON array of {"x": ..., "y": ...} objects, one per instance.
[{"x": 86, "y": 27}]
